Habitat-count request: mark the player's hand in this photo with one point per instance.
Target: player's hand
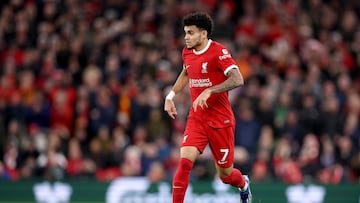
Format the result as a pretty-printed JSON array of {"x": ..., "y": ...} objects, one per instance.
[
  {"x": 169, "y": 107},
  {"x": 201, "y": 100}
]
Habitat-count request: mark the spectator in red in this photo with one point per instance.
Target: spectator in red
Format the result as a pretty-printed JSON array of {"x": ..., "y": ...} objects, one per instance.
[
  {"x": 62, "y": 97},
  {"x": 285, "y": 168},
  {"x": 77, "y": 165}
]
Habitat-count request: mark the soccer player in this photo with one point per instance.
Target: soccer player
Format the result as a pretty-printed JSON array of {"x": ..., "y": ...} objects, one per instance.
[{"x": 211, "y": 72}]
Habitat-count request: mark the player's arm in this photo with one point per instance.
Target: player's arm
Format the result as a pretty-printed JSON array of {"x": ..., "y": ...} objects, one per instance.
[
  {"x": 180, "y": 83},
  {"x": 234, "y": 80}
]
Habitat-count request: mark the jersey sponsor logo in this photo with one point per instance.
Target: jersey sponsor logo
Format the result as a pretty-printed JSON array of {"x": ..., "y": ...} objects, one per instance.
[
  {"x": 204, "y": 67},
  {"x": 200, "y": 82},
  {"x": 225, "y": 55}
]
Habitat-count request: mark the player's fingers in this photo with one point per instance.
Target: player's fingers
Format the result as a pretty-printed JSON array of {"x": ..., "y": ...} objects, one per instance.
[
  {"x": 203, "y": 104},
  {"x": 172, "y": 114},
  {"x": 173, "y": 110},
  {"x": 206, "y": 104},
  {"x": 195, "y": 105}
]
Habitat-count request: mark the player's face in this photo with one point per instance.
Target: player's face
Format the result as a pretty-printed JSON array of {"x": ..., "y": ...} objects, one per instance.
[{"x": 194, "y": 37}]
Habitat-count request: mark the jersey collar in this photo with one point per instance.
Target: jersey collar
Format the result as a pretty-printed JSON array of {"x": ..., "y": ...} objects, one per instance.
[{"x": 204, "y": 49}]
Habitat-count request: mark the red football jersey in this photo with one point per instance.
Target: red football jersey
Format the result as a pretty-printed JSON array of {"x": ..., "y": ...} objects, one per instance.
[{"x": 205, "y": 69}]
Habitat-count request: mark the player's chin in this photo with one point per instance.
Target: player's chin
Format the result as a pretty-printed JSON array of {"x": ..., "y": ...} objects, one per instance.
[{"x": 189, "y": 46}]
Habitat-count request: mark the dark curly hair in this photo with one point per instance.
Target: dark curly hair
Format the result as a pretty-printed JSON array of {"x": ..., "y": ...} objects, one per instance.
[{"x": 200, "y": 20}]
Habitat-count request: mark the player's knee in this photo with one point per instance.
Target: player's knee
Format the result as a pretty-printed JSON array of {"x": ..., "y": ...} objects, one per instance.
[
  {"x": 224, "y": 172},
  {"x": 225, "y": 175}
]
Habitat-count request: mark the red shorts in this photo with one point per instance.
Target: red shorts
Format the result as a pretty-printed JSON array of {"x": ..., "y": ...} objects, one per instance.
[{"x": 219, "y": 138}]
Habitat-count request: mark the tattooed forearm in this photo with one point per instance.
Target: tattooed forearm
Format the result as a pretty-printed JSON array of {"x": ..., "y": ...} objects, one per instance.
[{"x": 235, "y": 80}]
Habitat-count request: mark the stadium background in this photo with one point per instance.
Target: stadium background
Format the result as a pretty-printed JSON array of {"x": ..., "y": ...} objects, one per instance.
[{"x": 82, "y": 85}]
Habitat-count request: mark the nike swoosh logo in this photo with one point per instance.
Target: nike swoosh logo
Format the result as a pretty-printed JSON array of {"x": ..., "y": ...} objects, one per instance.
[
  {"x": 186, "y": 67},
  {"x": 222, "y": 162}
]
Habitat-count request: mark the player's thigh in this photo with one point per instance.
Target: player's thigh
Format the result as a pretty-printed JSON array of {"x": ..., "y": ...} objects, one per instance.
[
  {"x": 222, "y": 146},
  {"x": 195, "y": 136}
]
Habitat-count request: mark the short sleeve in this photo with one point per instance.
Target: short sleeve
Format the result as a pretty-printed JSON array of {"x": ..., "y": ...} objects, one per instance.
[{"x": 225, "y": 60}]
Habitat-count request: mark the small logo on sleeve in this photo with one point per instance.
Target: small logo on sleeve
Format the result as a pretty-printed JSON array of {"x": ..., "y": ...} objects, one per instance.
[{"x": 225, "y": 55}]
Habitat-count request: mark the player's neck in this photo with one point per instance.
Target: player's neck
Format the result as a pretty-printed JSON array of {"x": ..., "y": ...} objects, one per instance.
[{"x": 202, "y": 45}]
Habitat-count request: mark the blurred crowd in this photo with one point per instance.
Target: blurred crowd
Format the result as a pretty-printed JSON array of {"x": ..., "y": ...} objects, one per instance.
[{"x": 82, "y": 84}]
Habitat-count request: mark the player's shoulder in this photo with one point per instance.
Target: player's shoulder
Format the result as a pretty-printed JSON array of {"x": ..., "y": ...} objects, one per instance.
[
  {"x": 217, "y": 47},
  {"x": 220, "y": 50}
]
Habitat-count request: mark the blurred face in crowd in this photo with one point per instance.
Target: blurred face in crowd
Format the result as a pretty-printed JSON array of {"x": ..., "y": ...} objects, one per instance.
[{"x": 195, "y": 38}]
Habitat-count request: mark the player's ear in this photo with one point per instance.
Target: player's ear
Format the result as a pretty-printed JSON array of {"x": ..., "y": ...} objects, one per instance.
[{"x": 204, "y": 33}]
